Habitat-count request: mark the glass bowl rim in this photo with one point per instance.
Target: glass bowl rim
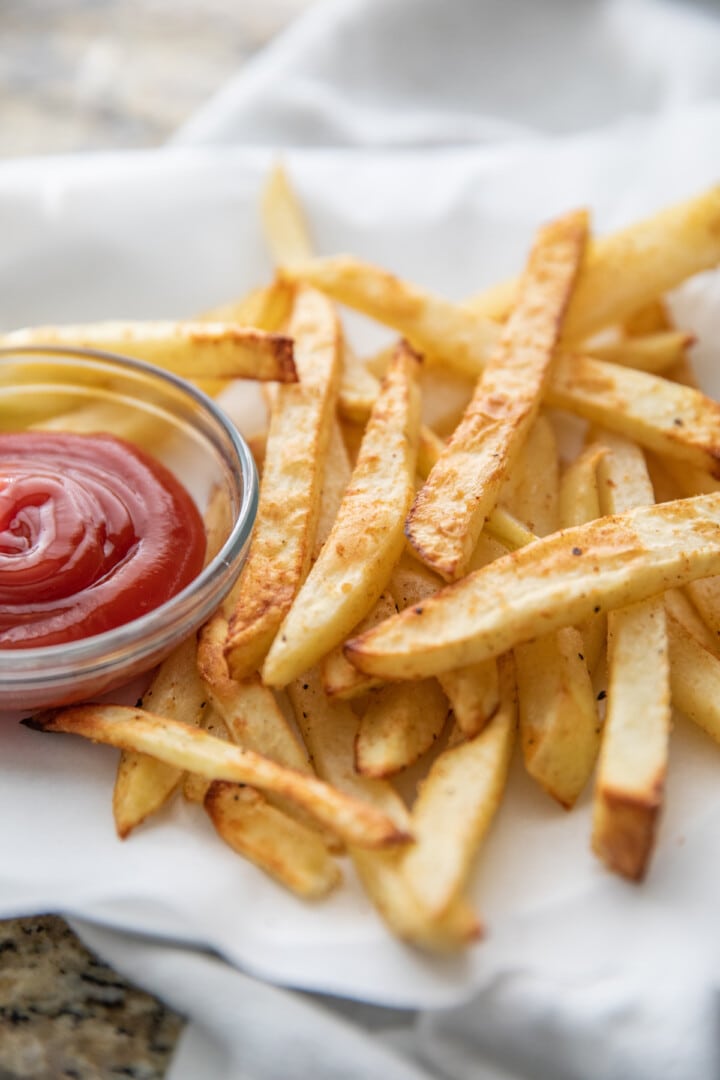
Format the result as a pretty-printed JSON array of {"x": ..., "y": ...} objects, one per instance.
[{"x": 46, "y": 664}]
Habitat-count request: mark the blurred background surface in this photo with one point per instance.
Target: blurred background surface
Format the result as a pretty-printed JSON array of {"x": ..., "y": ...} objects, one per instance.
[{"x": 100, "y": 74}]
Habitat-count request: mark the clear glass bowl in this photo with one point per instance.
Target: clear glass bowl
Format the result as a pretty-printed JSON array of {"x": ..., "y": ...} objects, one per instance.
[{"x": 191, "y": 436}]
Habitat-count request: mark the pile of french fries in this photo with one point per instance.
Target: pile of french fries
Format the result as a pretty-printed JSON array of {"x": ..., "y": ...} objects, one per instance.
[{"x": 431, "y": 571}]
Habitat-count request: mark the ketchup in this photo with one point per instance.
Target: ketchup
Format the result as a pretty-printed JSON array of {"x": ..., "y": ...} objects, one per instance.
[{"x": 93, "y": 533}]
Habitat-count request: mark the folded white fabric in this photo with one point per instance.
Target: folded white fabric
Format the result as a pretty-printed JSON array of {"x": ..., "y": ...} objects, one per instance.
[
  {"x": 360, "y": 73},
  {"x": 439, "y": 74}
]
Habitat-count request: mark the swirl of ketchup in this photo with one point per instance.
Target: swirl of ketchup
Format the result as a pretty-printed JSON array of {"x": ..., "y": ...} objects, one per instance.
[{"x": 93, "y": 533}]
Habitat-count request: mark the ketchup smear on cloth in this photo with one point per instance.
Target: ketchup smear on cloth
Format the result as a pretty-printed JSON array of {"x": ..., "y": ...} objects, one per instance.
[{"x": 93, "y": 533}]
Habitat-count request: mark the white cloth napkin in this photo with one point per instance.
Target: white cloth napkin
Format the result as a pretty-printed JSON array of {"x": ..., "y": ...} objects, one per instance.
[{"x": 438, "y": 74}]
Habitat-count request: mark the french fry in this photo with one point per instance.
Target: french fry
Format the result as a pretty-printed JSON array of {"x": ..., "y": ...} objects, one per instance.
[
  {"x": 142, "y": 784},
  {"x": 629, "y": 269},
  {"x": 291, "y": 853},
  {"x": 267, "y": 308},
  {"x": 189, "y": 748},
  {"x": 191, "y": 349},
  {"x": 450, "y": 509},
  {"x": 655, "y": 353},
  {"x": 559, "y": 723},
  {"x": 195, "y": 787},
  {"x": 281, "y": 545},
  {"x": 340, "y": 679},
  {"x": 330, "y": 730},
  {"x": 560, "y": 579},
  {"x": 399, "y": 725},
  {"x": 694, "y": 678},
  {"x": 633, "y": 756},
  {"x": 531, "y": 492},
  {"x": 456, "y": 804},
  {"x": 284, "y": 223},
  {"x": 676, "y": 421},
  {"x": 366, "y": 539}
]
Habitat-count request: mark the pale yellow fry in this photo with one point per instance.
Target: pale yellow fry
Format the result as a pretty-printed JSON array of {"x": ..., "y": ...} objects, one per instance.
[
  {"x": 340, "y": 678},
  {"x": 255, "y": 721},
  {"x": 456, "y": 804},
  {"x": 358, "y": 388},
  {"x": 694, "y": 679},
  {"x": 330, "y": 730},
  {"x": 650, "y": 318},
  {"x": 559, "y": 724},
  {"x": 472, "y": 691},
  {"x": 281, "y": 546},
  {"x": 449, "y": 511},
  {"x": 633, "y": 756},
  {"x": 367, "y": 537},
  {"x": 681, "y": 609},
  {"x": 580, "y": 503},
  {"x": 531, "y": 491},
  {"x": 561, "y": 579},
  {"x": 399, "y": 725},
  {"x": 501, "y": 526},
  {"x": 192, "y": 749},
  {"x": 651, "y": 352},
  {"x": 142, "y": 784},
  {"x": 446, "y": 395},
  {"x": 291, "y": 853},
  {"x": 674, "y": 420},
  {"x": 190, "y": 349},
  {"x": 283, "y": 220},
  {"x": 195, "y": 787},
  {"x": 629, "y": 269},
  {"x": 438, "y": 328},
  {"x": 430, "y": 447}
]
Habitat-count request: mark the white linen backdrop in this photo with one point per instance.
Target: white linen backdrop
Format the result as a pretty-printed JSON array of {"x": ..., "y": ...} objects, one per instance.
[{"x": 613, "y": 103}]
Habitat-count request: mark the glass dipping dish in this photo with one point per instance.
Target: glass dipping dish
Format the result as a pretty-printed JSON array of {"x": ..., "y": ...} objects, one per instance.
[{"x": 85, "y": 390}]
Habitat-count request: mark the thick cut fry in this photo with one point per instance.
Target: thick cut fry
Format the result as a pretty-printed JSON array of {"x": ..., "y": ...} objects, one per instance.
[
  {"x": 651, "y": 352},
  {"x": 191, "y": 349},
  {"x": 450, "y": 509},
  {"x": 560, "y": 579},
  {"x": 633, "y": 756},
  {"x": 559, "y": 724},
  {"x": 694, "y": 678},
  {"x": 188, "y": 748},
  {"x": 399, "y": 725},
  {"x": 340, "y": 678},
  {"x": 437, "y": 328},
  {"x": 676, "y": 421},
  {"x": 366, "y": 539},
  {"x": 629, "y": 269},
  {"x": 330, "y": 730},
  {"x": 281, "y": 546},
  {"x": 267, "y": 308},
  {"x": 456, "y": 804},
  {"x": 143, "y": 784},
  {"x": 195, "y": 787},
  {"x": 531, "y": 491},
  {"x": 472, "y": 691},
  {"x": 288, "y": 851},
  {"x": 283, "y": 220}
]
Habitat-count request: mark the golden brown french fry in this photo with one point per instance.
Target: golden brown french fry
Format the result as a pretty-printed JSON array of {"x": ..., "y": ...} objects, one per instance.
[
  {"x": 399, "y": 725},
  {"x": 629, "y": 269},
  {"x": 456, "y": 804},
  {"x": 559, "y": 723},
  {"x": 649, "y": 352},
  {"x": 142, "y": 784},
  {"x": 192, "y": 749},
  {"x": 649, "y": 318},
  {"x": 433, "y": 326},
  {"x": 633, "y": 756},
  {"x": 291, "y": 853},
  {"x": 191, "y": 349},
  {"x": 281, "y": 546},
  {"x": 560, "y": 579},
  {"x": 366, "y": 539},
  {"x": 674, "y": 420},
  {"x": 195, "y": 787},
  {"x": 450, "y": 509},
  {"x": 330, "y": 730}
]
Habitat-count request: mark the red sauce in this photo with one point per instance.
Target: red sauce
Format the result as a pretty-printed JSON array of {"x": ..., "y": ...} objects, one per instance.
[{"x": 93, "y": 533}]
